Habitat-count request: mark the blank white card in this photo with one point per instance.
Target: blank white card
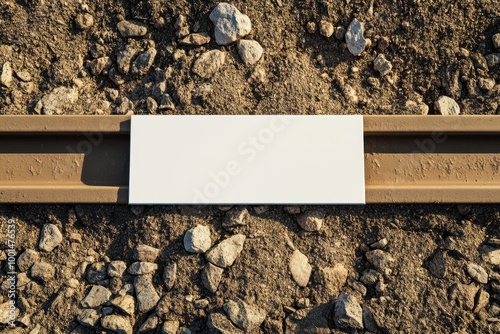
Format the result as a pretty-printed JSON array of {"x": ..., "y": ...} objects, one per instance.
[{"x": 271, "y": 159}]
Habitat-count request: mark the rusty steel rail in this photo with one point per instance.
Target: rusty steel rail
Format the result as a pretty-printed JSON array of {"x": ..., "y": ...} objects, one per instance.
[{"x": 408, "y": 159}]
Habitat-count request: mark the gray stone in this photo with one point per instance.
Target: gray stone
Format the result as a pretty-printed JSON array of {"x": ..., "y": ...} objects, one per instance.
[
  {"x": 170, "y": 327},
  {"x": 169, "y": 275},
  {"x": 493, "y": 59},
  {"x": 125, "y": 303},
  {"x": 201, "y": 303},
  {"x": 245, "y": 316},
  {"x": 379, "y": 259},
  {"x": 146, "y": 294},
  {"x": 250, "y": 51},
  {"x": 235, "y": 217},
  {"x": 356, "y": 43},
  {"x": 84, "y": 21},
  {"x": 227, "y": 251},
  {"x": 447, "y": 106},
  {"x": 382, "y": 65},
  {"x": 132, "y": 29},
  {"x": 117, "y": 323},
  {"x": 325, "y": 28},
  {"x": 150, "y": 324},
  {"x": 145, "y": 253},
  {"x": 477, "y": 273},
  {"x": 6, "y": 77},
  {"x": 218, "y": 323},
  {"x": 369, "y": 277},
  {"x": 27, "y": 259},
  {"x": 97, "y": 296},
  {"x": 300, "y": 268},
  {"x": 50, "y": 237},
  {"x": 97, "y": 272},
  {"x": 116, "y": 268},
  {"x": 230, "y": 24},
  {"x": 57, "y": 101},
  {"x": 311, "y": 220},
  {"x": 143, "y": 62},
  {"x": 437, "y": 264},
  {"x": 88, "y": 317},
  {"x": 379, "y": 244},
  {"x": 482, "y": 300},
  {"x": 142, "y": 268},
  {"x": 42, "y": 271},
  {"x": 124, "y": 58},
  {"x": 491, "y": 255},
  {"x": 197, "y": 239},
  {"x": 196, "y": 39},
  {"x": 211, "y": 277},
  {"x": 348, "y": 312},
  {"x": 209, "y": 63},
  {"x": 369, "y": 321}
]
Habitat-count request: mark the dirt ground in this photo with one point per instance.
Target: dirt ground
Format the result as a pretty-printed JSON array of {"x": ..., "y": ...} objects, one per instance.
[{"x": 435, "y": 48}]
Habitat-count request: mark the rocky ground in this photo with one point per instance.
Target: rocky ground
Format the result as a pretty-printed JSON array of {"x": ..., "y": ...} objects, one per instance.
[{"x": 255, "y": 269}]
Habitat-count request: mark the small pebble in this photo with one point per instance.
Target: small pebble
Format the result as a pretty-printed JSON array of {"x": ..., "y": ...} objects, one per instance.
[
  {"x": 477, "y": 273},
  {"x": 84, "y": 21},
  {"x": 356, "y": 43},
  {"x": 250, "y": 51},
  {"x": 311, "y": 27},
  {"x": 496, "y": 40},
  {"x": 197, "y": 239},
  {"x": 340, "y": 33},
  {"x": 300, "y": 268},
  {"x": 50, "y": 237},
  {"x": 379, "y": 244},
  {"x": 447, "y": 106},
  {"x": 325, "y": 28},
  {"x": 382, "y": 65},
  {"x": 132, "y": 29}
]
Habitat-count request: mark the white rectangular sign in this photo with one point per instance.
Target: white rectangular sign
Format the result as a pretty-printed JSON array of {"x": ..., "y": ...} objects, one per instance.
[{"x": 272, "y": 159}]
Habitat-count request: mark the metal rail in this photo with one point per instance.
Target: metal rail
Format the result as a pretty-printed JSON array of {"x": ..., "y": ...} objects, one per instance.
[{"x": 408, "y": 159}]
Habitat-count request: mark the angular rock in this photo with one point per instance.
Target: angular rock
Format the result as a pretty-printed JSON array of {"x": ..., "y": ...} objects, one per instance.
[
  {"x": 463, "y": 295},
  {"x": 369, "y": 277},
  {"x": 170, "y": 327},
  {"x": 144, "y": 61},
  {"x": 300, "y": 268},
  {"x": 197, "y": 239},
  {"x": 50, "y": 237},
  {"x": 325, "y": 28},
  {"x": 116, "y": 268},
  {"x": 201, "y": 303},
  {"x": 437, "y": 264},
  {"x": 142, "y": 268},
  {"x": 42, "y": 271},
  {"x": 230, "y": 24},
  {"x": 97, "y": 296},
  {"x": 379, "y": 244},
  {"x": 356, "y": 43},
  {"x": 227, "y": 251},
  {"x": 382, "y": 65},
  {"x": 5, "y": 309},
  {"x": 146, "y": 294},
  {"x": 209, "y": 63},
  {"x": 88, "y": 317},
  {"x": 124, "y": 58},
  {"x": 250, "y": 51},
  {"x": 491, "y": 255},
  {"x": 27, "y": 259},
  {"x": 348, "y": 312},
  {"x": 447, "y": 106},
  {"x": 6, "y": 77},
  {"x": 477, "y": 273},
  {"x": 333, "y": 278},
  {"x": 245, "y": 316},
  {"x": 211, "y": 277},
  {"x": 132, "y": 29},
  {"x": 235, "y": 217},
  {"x": 57, "y": 101},
  {"x": 481, "y": 301},
  {"x": 126, "y": 107},
  {"x": 97, "y": 272},
  {"x": 379, "y": 259},
  {"x": 117, "y": 323},
  {"x": 195, "y": 39},
  {"x": 125, "y": 303},
  {"x": 169, "y": 275},
  {"x": 150, "y": 324},
  {"x": 218, "y": 323},
  {"x": 166, "y": 103},
  {"x": 311, "y": 220},
  {"x": 24, "y": 76},
  {"x": 145, "y": 253},
  {"x": 368, "y": 320}
]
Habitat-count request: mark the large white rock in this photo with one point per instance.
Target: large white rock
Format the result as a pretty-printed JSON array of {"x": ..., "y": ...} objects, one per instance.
[
  {"x": 197, "y": 239},
  {"x": 250, "y": 51},
  {"x": 225, "y": 253},
  {"x": 356, "y": 43},
  {"x": 447, "y": 106},
  {"x": 230, "y": 24}
]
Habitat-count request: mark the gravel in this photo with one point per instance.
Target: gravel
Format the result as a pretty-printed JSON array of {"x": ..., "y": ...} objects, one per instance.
[
  {"x": 197, "y": 239},
  {"x": 477, "y": 273},
  {"x": 311, "y": 27},
  {"x": 143, "y": 62},
  {"x": 195, "y": 39},
  {"x": 97, "y": 296},
  {"x": 379, "y": 259},
  {"x": 150, "y": 324},
  {"x": 230, "y": 24},
  {"x": 235, "y": 217},
  {"x": 145, "y": 253},
  {"x": 209, "y": 63},
  {"x": 491, "y": 255},
  {"x": 117, "y": 323},
  {"x": 116, "y": 268},
  {"x": 437, "y": 264},
  {"x": 381, "y": 244},
  {"x": 27, "y": 259},
  {"x": 57, "y": 101},
  {"x": 125, "y": 303},
  {"x": 124, "y": 58},
  {"x": 245, "y": 316},
  {"x": 493, "y": 59},
  {"x": 447, "y": 106},
  {"x": 146, "y": 294},
  {"x": 250, "y": 51},
  {"x": 356, "y": 43},
  {"x": 170, "y": 327},
  {"x": 326, "y": 28},
  {"x": 211, "y": 276},
  {"x": 42, "y": 271},
  {"x": 227, "y": 251},
  {"x": 218, "y": 323},
  {"x": 348, "y": 312},
  {"x": 311, "y": 220},
  {"x": 50, "y": 237},
  {"x": 170, "y": 275},
  {"x": 340, "y": 33},
  {"x": 382, "y": 65},
  {"x": 142, "y": 268},
  {"x": 132, "y": 29},
  {"x": 88, "y": 317},
  {"x": 97, "y": 272},
  {"x": 300, "y": 268}
]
